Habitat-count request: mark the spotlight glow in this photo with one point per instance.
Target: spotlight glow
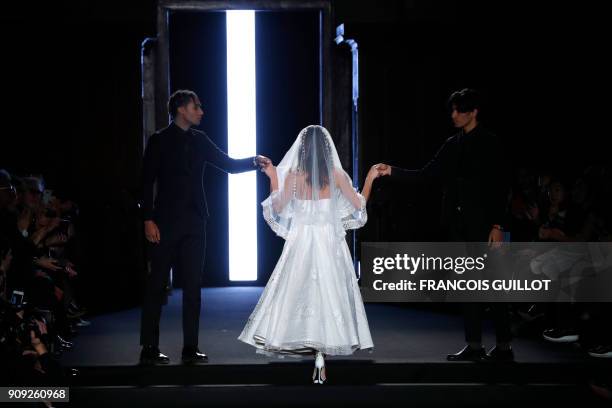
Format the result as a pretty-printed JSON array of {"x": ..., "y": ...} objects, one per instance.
[{"x": 241, "y": 116}]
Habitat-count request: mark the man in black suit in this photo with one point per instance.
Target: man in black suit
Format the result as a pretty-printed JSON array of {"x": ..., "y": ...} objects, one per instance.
[
  {"x": 472, "y": 168},
  {"x": 175, "y": 214}
]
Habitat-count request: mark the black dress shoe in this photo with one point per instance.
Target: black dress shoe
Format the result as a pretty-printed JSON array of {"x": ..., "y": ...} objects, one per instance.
[
  {"x": 152, "y": 355},
  {"x": 561, "y": 335},
  {"x": 468, "y": 354},
  {"x": 497, "y": 355},
  {"x": 193, "y": 356}
]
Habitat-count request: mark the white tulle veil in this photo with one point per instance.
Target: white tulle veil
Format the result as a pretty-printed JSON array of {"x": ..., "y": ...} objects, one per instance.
[{"x": 311, "y": 172}]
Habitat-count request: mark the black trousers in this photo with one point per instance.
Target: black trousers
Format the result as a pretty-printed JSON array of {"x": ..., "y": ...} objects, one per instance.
[
  {"x": 473, "y": 311},
  {"x": 463, "y": 228},
  {"x": 182, "y": 247}
]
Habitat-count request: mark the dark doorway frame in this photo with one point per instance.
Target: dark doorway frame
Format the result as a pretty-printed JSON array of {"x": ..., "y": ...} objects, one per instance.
[{"x": 161, "y": 61}]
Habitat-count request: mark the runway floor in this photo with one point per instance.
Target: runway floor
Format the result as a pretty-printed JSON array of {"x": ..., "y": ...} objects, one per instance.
[{"x": 407, "y": 366}]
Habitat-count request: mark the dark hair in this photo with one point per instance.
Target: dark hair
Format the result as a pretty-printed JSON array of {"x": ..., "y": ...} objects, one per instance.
[
  {"x": 180, "y": 98},
  {"x": 313, "y": 141},
  {"x": 465, "y": 100}
]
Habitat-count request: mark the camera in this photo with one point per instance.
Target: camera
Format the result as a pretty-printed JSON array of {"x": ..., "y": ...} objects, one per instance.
[
  {"x": 63, "y": 227},
  {"x": 17, "y": 298},
  {"x": 62, "y": 263},
  {"x": 18, "y": 329}
]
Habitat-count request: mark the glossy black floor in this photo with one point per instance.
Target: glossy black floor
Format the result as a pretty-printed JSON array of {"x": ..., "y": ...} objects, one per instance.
[{"x": 406, "y": 368}]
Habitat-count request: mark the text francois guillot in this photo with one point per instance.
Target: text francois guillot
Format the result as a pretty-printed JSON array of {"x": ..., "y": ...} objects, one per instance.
[{"x": 456, "y": 264}]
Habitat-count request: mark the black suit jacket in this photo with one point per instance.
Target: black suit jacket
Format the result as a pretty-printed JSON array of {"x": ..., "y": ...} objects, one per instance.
[
  {"x": 473, "y": 170},
  {"x": 174, "y": 162}
]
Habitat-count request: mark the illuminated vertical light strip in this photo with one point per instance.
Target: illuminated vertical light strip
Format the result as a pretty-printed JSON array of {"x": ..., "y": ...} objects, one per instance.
[{"x": 241, "y": 142}]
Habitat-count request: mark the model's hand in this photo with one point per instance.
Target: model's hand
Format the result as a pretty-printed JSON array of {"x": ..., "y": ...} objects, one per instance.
[
  {"x": 270, "y": 171},
  {"x": 383, "y": 169},
  {"x": 263, "y": 162},
  {"x": 152, "y": 232},
  {"x": 374, "y": 173}
]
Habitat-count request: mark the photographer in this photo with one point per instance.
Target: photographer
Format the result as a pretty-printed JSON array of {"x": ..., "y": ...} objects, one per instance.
[
  {"x": 5, "y": 262},
  {"x": 24, "y": 346},
  {"x": 51, "y": 237}
]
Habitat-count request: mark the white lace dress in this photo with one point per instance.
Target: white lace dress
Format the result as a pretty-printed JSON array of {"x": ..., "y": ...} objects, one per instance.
[{"x": 312, "y": 300}]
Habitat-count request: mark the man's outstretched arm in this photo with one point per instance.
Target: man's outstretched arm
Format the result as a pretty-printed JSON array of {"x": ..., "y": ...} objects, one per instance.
[
  {"x": 434, "y": 169},
  {"x": 222, "y": 161}
]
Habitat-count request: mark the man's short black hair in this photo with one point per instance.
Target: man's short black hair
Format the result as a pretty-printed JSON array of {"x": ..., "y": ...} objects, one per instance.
[
  {"x": 465, "y": 100},
  {"x": 182, "y": 97}
]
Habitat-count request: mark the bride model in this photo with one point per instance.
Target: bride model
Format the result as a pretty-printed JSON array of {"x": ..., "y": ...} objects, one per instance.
[{"x": 312, "y": 303}]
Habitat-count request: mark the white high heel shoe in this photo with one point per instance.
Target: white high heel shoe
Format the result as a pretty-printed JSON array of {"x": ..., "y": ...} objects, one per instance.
[{"x": 317, "y": 378}]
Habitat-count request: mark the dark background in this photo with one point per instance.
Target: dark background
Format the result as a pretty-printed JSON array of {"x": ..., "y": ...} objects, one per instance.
[
  {"x": 287, "y": 100},
  {"x": 72, "y": 109}
]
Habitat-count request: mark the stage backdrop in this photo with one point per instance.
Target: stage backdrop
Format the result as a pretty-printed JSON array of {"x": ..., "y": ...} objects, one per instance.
[{"x": 287, "y": 75}]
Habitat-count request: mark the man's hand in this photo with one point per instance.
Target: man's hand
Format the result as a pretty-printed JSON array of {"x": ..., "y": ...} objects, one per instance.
[
  {"x": 496, "y": 237},
  {"x": 374, "y": 173},
  {"x": 383, "y": 169},
  {"x": 263, "y": 162},
  {"x": 57, "y": 239},
  {"x": 36, "y": 342},
  {"x": 48, "y": 263},
  {"x": 152, "y": 232}
]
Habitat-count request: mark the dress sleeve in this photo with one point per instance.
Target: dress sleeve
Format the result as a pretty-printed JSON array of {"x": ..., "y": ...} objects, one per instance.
[
  {"x": 278, "y": 208},
  {"x": 351, "y": 204}
]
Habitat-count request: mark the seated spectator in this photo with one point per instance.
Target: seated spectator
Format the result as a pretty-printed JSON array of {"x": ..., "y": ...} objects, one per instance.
[
  {"x": 524, "y": 207},
  {"x": 25, "y": 348}
]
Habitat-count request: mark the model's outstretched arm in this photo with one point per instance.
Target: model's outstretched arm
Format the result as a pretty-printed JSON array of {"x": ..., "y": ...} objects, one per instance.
[
  {"x": 373, "y": 174},
  {"x": 280, "y": 201},
  {"x": 349, "y": 192},
  {"x": 224, "y": 162},
  {"x": 270, "y": 171}
]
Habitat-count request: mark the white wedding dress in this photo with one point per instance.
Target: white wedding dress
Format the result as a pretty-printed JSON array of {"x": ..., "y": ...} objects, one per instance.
[{"x": 312, "y": 300}]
